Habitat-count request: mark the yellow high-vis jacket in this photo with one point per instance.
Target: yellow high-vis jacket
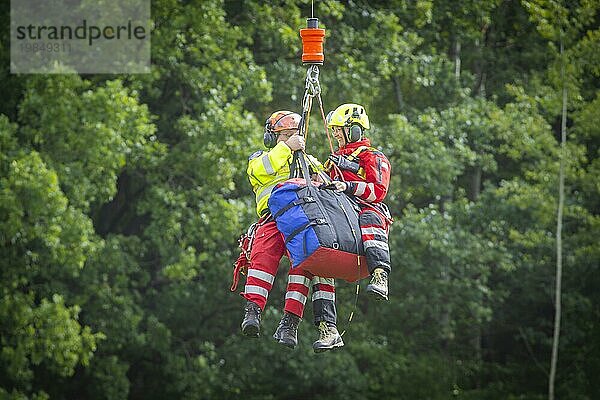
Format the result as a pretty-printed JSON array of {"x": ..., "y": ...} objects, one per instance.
[{"x": 268, "y": 168}]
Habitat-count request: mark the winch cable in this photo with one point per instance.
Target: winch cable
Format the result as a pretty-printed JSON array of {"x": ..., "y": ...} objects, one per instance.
[{"x": 325, "y": 123}]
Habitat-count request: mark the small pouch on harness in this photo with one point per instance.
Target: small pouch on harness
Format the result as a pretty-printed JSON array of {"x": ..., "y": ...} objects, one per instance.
[{"x": 243, "y": 261}]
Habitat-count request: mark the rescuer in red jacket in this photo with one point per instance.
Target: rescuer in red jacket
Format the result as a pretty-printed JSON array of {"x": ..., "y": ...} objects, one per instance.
[{"x": 365, "y": 174}]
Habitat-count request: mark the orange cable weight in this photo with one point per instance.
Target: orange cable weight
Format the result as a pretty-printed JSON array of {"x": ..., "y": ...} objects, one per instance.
[{"x": 312, "y": 43}]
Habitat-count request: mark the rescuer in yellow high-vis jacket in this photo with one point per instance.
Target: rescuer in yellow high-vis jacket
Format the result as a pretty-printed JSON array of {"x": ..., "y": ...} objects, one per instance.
[{"x": 265, "y": 170}]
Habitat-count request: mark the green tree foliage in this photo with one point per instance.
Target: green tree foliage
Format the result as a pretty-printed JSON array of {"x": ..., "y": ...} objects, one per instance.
[
  {"x": 121, "y": 199},
  {"x": 44, "y": 239}
]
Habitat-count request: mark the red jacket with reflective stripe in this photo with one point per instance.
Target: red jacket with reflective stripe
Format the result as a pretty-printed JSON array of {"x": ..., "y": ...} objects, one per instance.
[{"x": 377, "y": 170}]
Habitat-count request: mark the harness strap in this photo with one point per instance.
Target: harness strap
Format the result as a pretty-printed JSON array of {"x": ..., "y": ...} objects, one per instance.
[
  {"x": 318, "y": 221},
  {"x": 303, "y": 200},
  {"x": 379, "y": 208},
  {"x": 241, "y": 266},
  {"x": 245, "y": 242},
  {"x": 359, "y": 150}
]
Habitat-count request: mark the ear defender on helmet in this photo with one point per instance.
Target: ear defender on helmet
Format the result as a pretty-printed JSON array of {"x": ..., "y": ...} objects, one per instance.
[
  {"x": 355, "y": 132},
  {"x": 269, "y": 137}
]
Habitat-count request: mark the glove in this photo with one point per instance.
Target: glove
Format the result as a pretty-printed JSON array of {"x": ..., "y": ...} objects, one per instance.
[
  {"x": 343, "y": 163},
  {"x": 340, "y": 186}
]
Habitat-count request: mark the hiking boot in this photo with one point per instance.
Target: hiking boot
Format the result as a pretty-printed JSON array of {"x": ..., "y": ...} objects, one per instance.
[
  {"x": 287, "y": 331},
  {"x": 378, "y": 287},
  {"x": 251, "y": 322},
  {"x": 329, "y": 338}
]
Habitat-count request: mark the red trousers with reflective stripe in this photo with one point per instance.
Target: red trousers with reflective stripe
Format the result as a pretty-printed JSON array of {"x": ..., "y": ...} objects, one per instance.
[
  {"x": 267, "y": 249},
  {"x": 323, "y": 295}
]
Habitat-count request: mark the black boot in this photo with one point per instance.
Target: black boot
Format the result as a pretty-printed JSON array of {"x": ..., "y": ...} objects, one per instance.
[
  {"x": 329, "y": 338},
  {"x": 287, "y": 331},
  {"x": 378, "y": 287},
  {"x": 251, "y": 322}
]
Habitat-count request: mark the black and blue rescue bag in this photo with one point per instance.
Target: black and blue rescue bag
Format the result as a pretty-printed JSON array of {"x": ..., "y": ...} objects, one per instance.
[{"x": 320, "y": 227}]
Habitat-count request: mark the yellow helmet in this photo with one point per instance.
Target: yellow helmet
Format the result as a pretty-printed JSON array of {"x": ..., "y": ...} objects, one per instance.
[
  {"x": 351, "y": 116},
  {"x": 347, "y": 115}
]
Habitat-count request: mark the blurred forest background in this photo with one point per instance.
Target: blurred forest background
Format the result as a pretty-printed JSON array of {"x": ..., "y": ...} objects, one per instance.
[{"x": 122, "y": 198}]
